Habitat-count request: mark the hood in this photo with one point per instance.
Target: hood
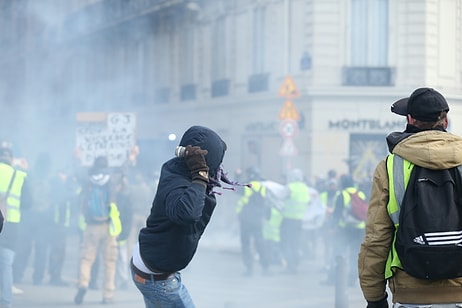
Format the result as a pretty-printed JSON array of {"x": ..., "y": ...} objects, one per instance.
[
  {"x": 208, "y": 140},
  {"x": 433, "y": 149}
]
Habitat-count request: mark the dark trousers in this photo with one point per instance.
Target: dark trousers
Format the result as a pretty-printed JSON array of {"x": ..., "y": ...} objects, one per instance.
[
  {"x": 34, "y": 240},
  {"x": 57, "y": 252},
  {"x": 251, "y": 232},
  {"x": 291, "y": 231}
]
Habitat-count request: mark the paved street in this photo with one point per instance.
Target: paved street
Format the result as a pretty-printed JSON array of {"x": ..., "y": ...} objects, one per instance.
[{"x": 214, "y": 279}]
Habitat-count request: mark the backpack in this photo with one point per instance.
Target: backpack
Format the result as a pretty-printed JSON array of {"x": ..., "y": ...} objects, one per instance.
[
  {"x": 96, "y": 203},
  {"x": 429, "y": 236},
  {"x": 358, "y": 206}
]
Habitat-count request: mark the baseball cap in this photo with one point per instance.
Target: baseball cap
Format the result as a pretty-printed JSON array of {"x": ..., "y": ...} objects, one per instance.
[{"x": 424, "y": 104}]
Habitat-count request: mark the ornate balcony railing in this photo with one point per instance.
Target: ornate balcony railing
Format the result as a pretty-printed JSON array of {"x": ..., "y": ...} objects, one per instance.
[{"x": 367, "y": 76}]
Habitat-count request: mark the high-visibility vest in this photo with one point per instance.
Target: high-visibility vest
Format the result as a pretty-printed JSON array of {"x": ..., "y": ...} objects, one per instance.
[
  {"x": 67, "y": 214},
  {"x": 347, "y": 206},
  {"x": 256, "y": 188},
  {"x": 296, "y": 205},
  {"x": 13, "y": 202},
  {"x": 324, "y": 198},
  {"x": 271, "y": 227},
  {"x": 399, "y": 171},
  {"x": 115, "y": 224}
]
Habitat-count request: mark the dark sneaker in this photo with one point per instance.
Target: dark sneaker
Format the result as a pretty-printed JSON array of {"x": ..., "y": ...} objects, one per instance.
[{"x": 78, "y": 299}]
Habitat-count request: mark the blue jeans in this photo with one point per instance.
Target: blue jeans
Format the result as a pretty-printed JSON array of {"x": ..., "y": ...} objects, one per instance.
[
  {"x": 169, "y": 293},
  {"x": 6, "y": 275}
]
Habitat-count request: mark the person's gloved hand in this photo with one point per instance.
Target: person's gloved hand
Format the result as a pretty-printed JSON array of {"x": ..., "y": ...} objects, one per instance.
[
  {"x": 195, "y": 160},
  {"x": 383, "y": 303}
]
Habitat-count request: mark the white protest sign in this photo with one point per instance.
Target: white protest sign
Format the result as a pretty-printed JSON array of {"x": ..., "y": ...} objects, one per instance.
[{"x": 111, "y": 135}]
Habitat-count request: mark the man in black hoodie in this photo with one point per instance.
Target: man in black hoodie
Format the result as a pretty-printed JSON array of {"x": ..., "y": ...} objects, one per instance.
[{"x": 182, "y": 208}]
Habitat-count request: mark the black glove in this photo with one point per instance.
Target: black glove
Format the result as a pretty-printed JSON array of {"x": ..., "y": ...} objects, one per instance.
[
  {"x": 383, "y": 303},
  {"x": 195, "y": 159}
]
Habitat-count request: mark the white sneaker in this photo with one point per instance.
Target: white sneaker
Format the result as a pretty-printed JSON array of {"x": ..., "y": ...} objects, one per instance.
[{"x": 16, "y": 291}]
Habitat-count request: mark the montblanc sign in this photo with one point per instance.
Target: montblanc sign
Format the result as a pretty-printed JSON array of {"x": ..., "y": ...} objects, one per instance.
[{"x": 366, "y": 124}]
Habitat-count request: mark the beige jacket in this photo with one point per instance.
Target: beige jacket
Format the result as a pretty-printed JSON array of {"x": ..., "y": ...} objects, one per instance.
[{"x": 431, "y": 149}]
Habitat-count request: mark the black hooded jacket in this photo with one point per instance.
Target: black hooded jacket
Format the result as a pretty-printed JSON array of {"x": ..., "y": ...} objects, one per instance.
[{"x": 181, "y": 209}]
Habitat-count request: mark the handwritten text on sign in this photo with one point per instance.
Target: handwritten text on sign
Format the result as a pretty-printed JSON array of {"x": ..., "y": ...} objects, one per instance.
[{"x": 113, "y": 139}]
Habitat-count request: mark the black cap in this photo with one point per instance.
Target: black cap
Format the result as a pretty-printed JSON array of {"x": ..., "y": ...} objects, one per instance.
[
  {"x": 100, "y": 165},
  {"x": 424, "y": 104}
]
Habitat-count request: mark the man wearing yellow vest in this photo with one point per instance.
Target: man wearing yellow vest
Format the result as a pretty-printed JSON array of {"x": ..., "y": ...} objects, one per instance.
[
  {"x": 293, "y": 212},
  {"x": 11, "y": 192},
  {"x": 101, "y": 226},
  {"x": 349, "y": 230},
  {"x": 327, "y": 197},
  {"x": 424, "y": 143},
  {"x": 253, "y": 212}
]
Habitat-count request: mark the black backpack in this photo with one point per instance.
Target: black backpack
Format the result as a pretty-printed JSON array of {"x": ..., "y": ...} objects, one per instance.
[{"x": 429, "y": 236}]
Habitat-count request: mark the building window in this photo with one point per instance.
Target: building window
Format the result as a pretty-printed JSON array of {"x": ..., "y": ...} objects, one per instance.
[
  {"x": 162, "y": 53},
  {"x": 369, "y": 33},
  {"x": 187, "y": 52},
  {"x": 258, "y": 40},
  {"x": 219, "y": 49}
]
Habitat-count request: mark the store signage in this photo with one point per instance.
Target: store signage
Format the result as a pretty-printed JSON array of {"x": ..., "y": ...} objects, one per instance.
[{"x": 366, "y": 124}]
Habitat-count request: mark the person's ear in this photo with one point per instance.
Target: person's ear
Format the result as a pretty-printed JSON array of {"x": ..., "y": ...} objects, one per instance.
[{"x": 410, "y": 119}]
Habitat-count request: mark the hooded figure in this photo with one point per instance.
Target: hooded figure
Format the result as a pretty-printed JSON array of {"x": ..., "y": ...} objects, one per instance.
[{"x": 182, "y": 208}]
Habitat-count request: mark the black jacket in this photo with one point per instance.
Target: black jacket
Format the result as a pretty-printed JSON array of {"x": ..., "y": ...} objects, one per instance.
[{"x": 181, "y": 209}]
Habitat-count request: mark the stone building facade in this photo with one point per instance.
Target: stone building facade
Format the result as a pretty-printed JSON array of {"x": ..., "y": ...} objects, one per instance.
[{"x": 287, "y": 83}]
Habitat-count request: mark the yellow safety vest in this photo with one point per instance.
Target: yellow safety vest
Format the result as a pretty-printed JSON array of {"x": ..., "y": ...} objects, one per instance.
[
  {"x": 324, "y": 197},
  {"x": 13, "y": 203},
  {"x": 257, "y": 188},
  {"x": 399, "y": 171},
  {"x": 347, "y": 204},
  {"x": 296, "y": 205},
  {"x": 115, "y": 224},
  {"x": 271, "y": 227},
  {"x": 67, "y": 214}
]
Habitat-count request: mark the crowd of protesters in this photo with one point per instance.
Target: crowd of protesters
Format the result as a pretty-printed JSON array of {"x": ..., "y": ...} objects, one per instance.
[{"x": 288, "y": 223}]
